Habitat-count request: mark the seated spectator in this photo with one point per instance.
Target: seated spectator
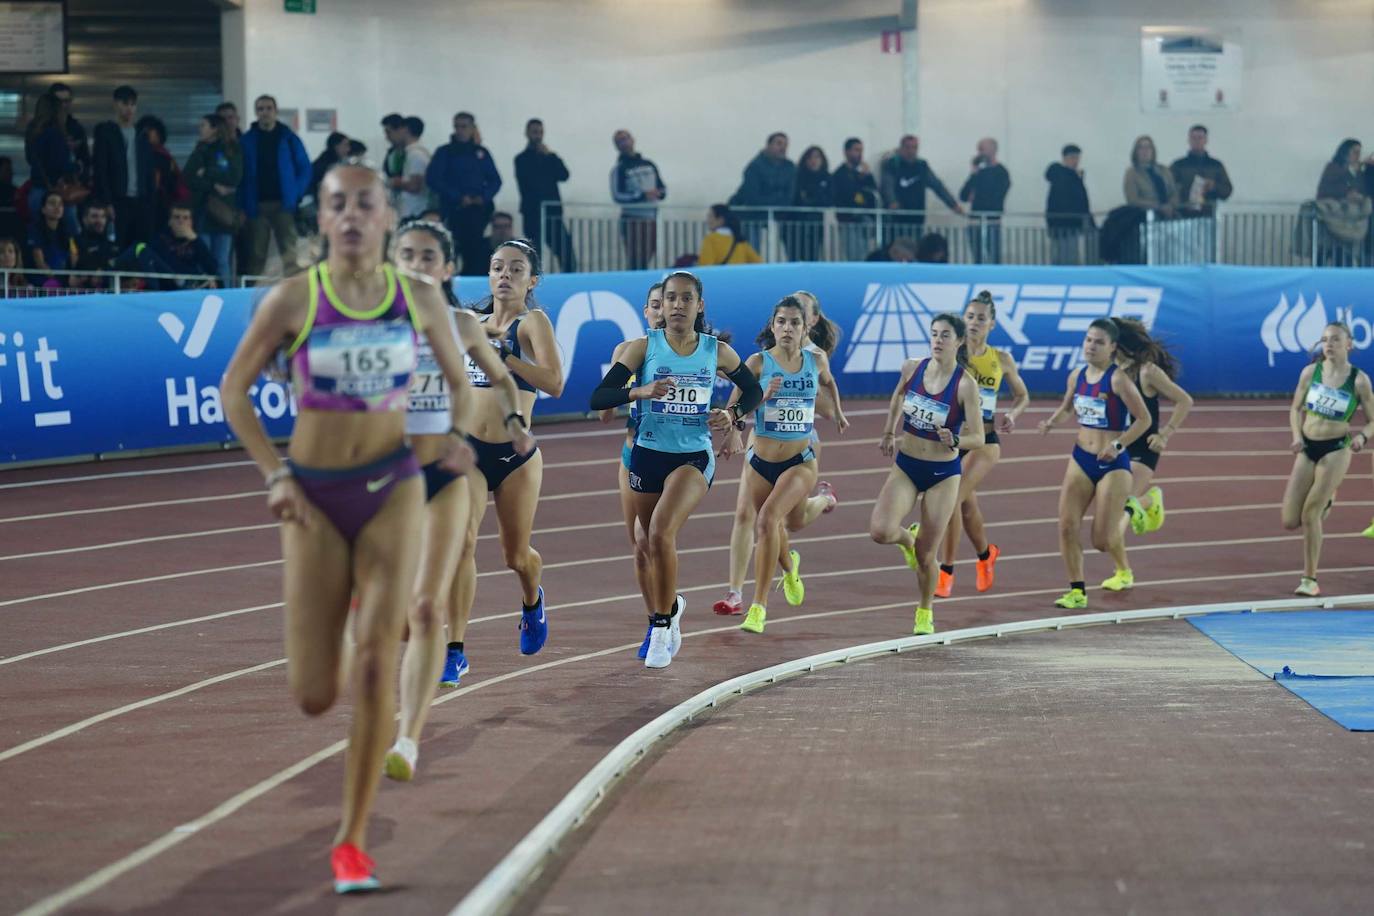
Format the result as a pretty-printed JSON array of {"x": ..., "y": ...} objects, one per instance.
[
  {"x": 94, "y": 250},
  {"x": 51, "y": 246},
  {"x": 168, "y": 186},
  {"x": 11, "y": 284},
  {"x": 175, "y": 250},
  {"x": 724, "y": 244},
  {"x": 901, "y": 250},
  {"x": 432, "y": 216},
  {"x": 502, "y": 231},
  {"x": 1147, "y": 184},
  {"x": 932, "y": 249}
]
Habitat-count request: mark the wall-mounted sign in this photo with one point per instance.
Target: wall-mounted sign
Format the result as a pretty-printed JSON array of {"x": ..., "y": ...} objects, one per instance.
[
  {"x": 33, "y": 37},
  {"x": 321, "y": 120},
  {"x": 1184, "y": 69}
]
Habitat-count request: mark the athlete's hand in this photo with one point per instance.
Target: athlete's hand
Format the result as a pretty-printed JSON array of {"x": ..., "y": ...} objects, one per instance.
[
  {"x": 946, "y": 436},
  {"x": 720, "y": 419},
  {"x": 287, "y": 503},
  {"x": 1358, "y": 442},
  {"x": 774, "y": 386},
  {"x": 1295, "y": 446},
  {"x": 523, "y": 441},
  {"x": 458, "y": 458},
  {"x": 1006, "y": 423},
  {"x": 1107, "y": 453},
  {"x": 731, "y": 445},
  {"x": 887, "y": 445},
  {"x": 1045, "y": 426},
  {"x": 607, "y": 415},
  {"x": 656, "y": 389},
  {"x": 842, "y": 422},
  {"x": 1158, "y": 442}
]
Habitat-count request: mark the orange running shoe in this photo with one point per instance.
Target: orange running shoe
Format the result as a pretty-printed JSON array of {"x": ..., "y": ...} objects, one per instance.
[
  {"x": 945, "y": 587},
  {"x": 985, "y": 568},
  {"x": 352, "y": 870}
]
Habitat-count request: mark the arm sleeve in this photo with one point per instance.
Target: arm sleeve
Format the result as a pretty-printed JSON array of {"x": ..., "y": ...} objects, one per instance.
[
  {"x": 560, "y": 171},
  {"x": 751, "y": 394},
  {"x": 612, "y": 391},
  {"x": 492, "y": 182},
  {"x": 939, "y": 188}
]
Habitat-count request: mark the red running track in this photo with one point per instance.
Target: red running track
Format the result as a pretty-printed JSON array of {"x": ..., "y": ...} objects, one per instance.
[{"x": 151, "y": 760}]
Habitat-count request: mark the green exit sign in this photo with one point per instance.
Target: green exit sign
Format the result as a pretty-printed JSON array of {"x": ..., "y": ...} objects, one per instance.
[{"x": 300, "y": 6}]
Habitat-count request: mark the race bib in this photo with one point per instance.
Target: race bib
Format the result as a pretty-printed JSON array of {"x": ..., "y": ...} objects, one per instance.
[
  {"x": 428, "y": 387},
  {"x": 1325, "y": 401},
  {"x": 477, "y": 377},
  {"x": 987, "y": 397},
  {"x": 690, "y": 395},
  {"x": 361, "y": 360},
  {"x": 1092, "y": 412},
  {"x": 789, "y": 415},
  {"x": 925, "y": 413}
]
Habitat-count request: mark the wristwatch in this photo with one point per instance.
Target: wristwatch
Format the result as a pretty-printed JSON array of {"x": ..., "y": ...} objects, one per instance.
[{"x": 1116, "y": 444}]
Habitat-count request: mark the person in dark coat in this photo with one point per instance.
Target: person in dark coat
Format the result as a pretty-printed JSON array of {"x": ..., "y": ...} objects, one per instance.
[
  {"x": 1067, "y": 213},
  {"x": 803, "y": 232},
  {"x": 770, "y": 180},
  {"x": 538, "y": 172},
  {"x": 464, "y": 176},
  {"x": 122, "y": 170},
  {"x": 904, "y": 181}
]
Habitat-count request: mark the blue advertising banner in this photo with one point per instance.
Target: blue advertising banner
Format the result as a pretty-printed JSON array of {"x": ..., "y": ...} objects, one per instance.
[{"x": 105, "y": 373}]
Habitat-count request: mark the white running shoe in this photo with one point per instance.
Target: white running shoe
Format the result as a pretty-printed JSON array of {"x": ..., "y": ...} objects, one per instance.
[
  {"x": 675, "y": 628},
  {"x": 401, "y": 759},
  {"x": 660, "y": 653}
]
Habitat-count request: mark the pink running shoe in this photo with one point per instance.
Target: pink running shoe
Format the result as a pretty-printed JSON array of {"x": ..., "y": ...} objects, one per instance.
[{"x": 732, "y": 603}]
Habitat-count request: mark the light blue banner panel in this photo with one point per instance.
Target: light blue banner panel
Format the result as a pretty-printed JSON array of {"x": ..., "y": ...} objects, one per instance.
[{"x": 103, "y": 373}]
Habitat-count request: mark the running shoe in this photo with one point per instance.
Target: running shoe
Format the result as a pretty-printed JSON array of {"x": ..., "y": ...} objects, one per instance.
[
  {"x": 455, "y": 666},
  {"x": 1368, "y": 532},
  {"x": 675, "y": 628},
  {"x": 1154, "y": 516},
  {"x": 1139, "y": 521},
  {"x": 825, "y": 489},
  {"x": 925, "y": 622},
  {"x": 1307, "y": 588},
  {"x": 732, "y": 603},
  {"x": 945, "y": 586},
  {"x": 659, "y": 654},
  {"x": 400, "y": 760},
  {"x": 986, "y": 568},
  {"x": 792, "y": 588},
  {"x": 1073, "y": 599},
  {"x": 1122, "y": 580},
  {"x": 352, "y": 870},
  {"x": 644, "y": 646},
  {"x": 534, "y": 626},
  {"x": 910, "y": 555},
  {"x": 755, "y": 619}
]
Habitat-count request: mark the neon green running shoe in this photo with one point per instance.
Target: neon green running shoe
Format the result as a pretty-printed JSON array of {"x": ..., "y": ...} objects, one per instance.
[
  {"x": 1137, "y": 513},
  {"x": 755, "y": 619},
  {"x": 1368, "y": 532},
  {"x": 1073, "y": 599},
  {"x": 1154, "y": 516},
  {"x": 925, "y": 621},
  {"x": 1122, "y": 580},
  {"x": 792, "y": 588},
  {"x": 910, "y": 555}
]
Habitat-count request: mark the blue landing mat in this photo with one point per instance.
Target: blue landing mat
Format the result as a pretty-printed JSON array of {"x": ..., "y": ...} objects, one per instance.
[{"x": 1324, "y": 657}]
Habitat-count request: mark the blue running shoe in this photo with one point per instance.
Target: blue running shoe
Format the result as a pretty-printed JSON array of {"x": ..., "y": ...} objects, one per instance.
[
  {"x": 534, "y": 627},
  {"x": 455, "y": 666},
  {"x": 644, "y": 647}
]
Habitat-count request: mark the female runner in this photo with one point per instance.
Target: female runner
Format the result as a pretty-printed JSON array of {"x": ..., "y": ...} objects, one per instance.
[
  {"x": 822, "y": 338},
  {"x": 349, "y": 496},
  {"x": 1328, "y": 392},
  {"x": 988, "y": 366},
  {"x": 671, "y": 464},
  {"x": 932, "y": 400},
  {"x": 1100, "y": 472},
  {"x": 426, "y": 249},
  {"x": 528, "y": 350},
  {"x": 1152, "y": 367},
  {"x": 782, "y": 462}
]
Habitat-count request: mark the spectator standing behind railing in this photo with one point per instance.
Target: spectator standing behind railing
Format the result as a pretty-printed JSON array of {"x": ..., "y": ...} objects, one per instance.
[
  {"x": 464, "y": 176},
  {"x": 1344, "y": 205},
  {"x": 637, "y": 186},
  {"x": 336, "y": 149},
  {"x": 122, "y": 166},
  {"x": 214, "y": 170},
  {"x": 50, "y": 161},
  {"x": 168, "y": 185},
  {"x": 904, "y": 180},
  {"x": 95, "y": 252},
  {"x": 855, "y": 188},
  {"x": 803, "y": 232},
  {"x": 1201, "y": 180},
  {"x": 1147, "y": 184},
  {"x": 409, "y": 195},
  {"x": 75, "y": 133},
  {"x": 770, "y": 180},
  {"x": 51, "y": 245},
  {"x": 985, "y": 191},
  {"x": 393, "y": 163},
  {"x": 724, "y": 243},
  {"x": 230, "y": 113},
  {"x": 276, "y": 172},
  {"x": 1067, "y": 213},
  {"x": 538, "y": 172}
]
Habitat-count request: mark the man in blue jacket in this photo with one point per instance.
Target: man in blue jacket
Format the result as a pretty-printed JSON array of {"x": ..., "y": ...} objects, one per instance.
[
  {"x": 276, "y": 172},
  {"x": 464, "y": 176}
]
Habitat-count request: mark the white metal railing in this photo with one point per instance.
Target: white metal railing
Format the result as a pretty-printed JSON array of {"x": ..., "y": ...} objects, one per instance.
[{"x": 27, "y": 283}]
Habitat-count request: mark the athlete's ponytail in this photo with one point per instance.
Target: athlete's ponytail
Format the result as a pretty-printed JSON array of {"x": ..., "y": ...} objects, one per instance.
[
  {"x": 1134, "y": 340},
  {"x": 824, "y": 333}
]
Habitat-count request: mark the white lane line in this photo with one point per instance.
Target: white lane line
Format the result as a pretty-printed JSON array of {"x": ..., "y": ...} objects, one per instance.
[
  {"x": 155, "y": 504},
  {"x": 176, "y": 835},
  {"x": 187, "y": 535},
  {"x": 151, "y": 472},
  {"x": 131, "y": 707},
  {"x": 144, "y": 581}
]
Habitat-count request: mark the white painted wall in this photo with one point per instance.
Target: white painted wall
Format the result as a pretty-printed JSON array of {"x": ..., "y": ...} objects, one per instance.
[{"x": 701, "y": 82}]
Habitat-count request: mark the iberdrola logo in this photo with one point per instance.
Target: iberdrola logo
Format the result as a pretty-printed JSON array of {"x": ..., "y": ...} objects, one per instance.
[{"x": 1293, "y": 327}]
